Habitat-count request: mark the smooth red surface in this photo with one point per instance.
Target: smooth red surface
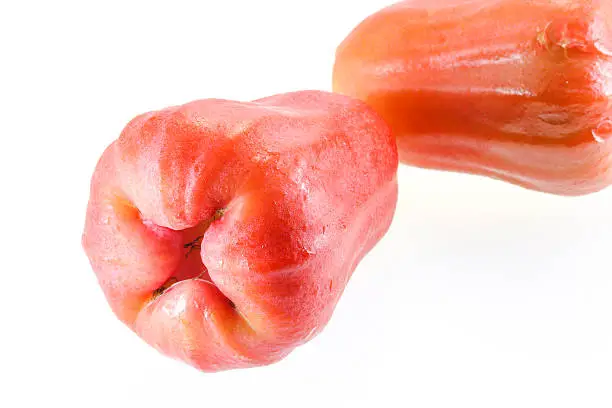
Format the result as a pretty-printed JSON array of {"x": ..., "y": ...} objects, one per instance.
[
  {"x": 512, "y": 89},
  {"x": 289, "y": 193}
]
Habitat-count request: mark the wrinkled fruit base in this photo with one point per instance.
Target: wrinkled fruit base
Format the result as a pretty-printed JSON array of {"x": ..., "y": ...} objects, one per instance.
[{"x": 223, "y": 233}]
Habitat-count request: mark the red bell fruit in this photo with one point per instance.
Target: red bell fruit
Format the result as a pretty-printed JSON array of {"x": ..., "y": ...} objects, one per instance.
[
  {"x": 223, "y": 233},
  {"x": 517, "y": 90}
]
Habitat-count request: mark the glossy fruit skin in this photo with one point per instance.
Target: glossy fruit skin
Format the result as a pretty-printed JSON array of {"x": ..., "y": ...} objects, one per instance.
[
  {"x": 511, "y": 89},
  {"x": 289, "y": 193}
]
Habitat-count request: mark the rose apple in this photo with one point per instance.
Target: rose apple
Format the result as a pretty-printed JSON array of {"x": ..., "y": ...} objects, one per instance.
[
  {"x": 223, "y": 233},
  {"x": 511, "y": 89}
]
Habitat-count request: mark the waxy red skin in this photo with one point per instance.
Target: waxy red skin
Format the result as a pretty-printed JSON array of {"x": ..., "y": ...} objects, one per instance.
[
  {"x": 289, "y": 193},
  {"x": 511, "y": 89}
]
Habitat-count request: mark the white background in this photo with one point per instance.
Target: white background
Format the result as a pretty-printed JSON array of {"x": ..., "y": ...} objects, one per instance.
[{"x": 481, "y": 295}]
